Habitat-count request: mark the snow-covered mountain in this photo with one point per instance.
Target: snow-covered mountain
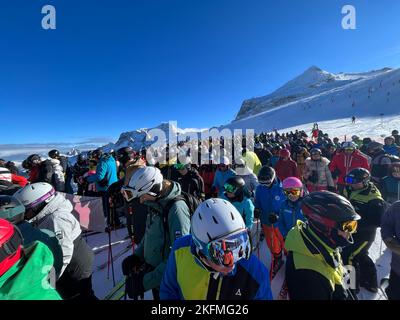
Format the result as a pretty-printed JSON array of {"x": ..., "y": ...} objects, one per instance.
[
  {"x": 314, "y": 82},
  {"x": 319, "y": 96}
]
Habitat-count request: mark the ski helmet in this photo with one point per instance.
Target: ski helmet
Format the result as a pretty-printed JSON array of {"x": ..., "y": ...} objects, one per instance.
[
  {"x": 33, "y": 159},
  {"x": 82, "y": 159},
  {"x": 35, "y": 194},
  {"x": 316, "y": 151},
  {"x": 10, "y": 245},
  {"x": 219, "y": 232},
  {"x": 390, "y": 138},
  {"x": 54, "y": 154},
  {"x": 349, "y": 145},
  {"x": 355, "y": 138},
  {"x": 284, "y": 153},
  {"x": 5, "y": 174},
  {"x": 235, "y": 185},
  {"x": 145, "y": 180},
  {"x": 259, "y": 146},
  {"x": 395, "y": 132},
  {"x": 293, "y": 183},
  {"x": 327, "y": 211},
  {"x": 266, "y": 175},
  {"x": 98, "y": 153},
  {"x": 11, "y": 209},
  {"x": 358, "y": 175},
  {"x": 126, "y": 154},
  {"x": 374, "y": 147}
]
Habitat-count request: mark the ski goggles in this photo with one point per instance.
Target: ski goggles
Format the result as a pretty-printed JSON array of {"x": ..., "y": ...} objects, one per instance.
[
  {"x": 293, "y": 192},
  {"x": 229, "y": 188},
  {"x": 351, "y": 180},
  {"x": 180, "y": 166},
  {"x": 128, "y": 193},
  {"x": 348, "y": 149},
  {"x": 229, "y": 250},
  {"x": 266, "y": 182},
  {"x": 349, "y": 226}
]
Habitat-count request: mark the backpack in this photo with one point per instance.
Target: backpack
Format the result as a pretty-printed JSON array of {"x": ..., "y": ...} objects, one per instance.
[{"x": 191, "y": 202}]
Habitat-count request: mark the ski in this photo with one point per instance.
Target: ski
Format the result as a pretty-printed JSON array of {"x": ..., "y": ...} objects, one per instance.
[
  {"x": 97, "y": 250},
  {"x": 119, "y": 285},
  {"x": 384, "y": 284}
]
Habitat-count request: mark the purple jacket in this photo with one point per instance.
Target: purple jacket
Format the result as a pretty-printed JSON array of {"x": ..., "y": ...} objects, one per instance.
[{"x": 391, "y": 229}]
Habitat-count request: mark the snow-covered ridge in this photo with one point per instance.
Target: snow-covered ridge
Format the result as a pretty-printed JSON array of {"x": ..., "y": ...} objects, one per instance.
[{"x": 311, "y": 82}]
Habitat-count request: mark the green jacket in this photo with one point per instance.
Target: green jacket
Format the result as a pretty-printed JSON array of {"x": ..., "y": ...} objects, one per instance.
[
  {"x": 152, "y": 247},
  {"x": 303, "y": 258},
  {"x": 28, "y": 278}
]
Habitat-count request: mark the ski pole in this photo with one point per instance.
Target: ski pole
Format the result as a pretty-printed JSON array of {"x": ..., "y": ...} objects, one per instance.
[{"x": 110, "y": 255}]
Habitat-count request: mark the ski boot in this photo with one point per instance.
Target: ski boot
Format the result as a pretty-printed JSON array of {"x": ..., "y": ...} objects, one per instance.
[{"x": 276, "y": 264}]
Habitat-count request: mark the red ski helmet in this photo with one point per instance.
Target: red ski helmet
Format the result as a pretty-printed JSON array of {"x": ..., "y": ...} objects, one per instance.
[{"x": 10, "y": 245}]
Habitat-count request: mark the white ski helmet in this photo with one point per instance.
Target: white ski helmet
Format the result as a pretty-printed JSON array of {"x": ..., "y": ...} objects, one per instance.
[
  {"x": 146, "y": 180},
  {"x": 34, "y": 194},
  {"x": 218, "y": 221}
]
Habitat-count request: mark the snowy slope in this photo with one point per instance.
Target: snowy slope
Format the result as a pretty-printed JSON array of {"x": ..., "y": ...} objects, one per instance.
[{"x": 312, "y": 83}]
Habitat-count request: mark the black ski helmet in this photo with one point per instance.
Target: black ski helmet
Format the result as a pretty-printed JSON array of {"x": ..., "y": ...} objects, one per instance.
[
  {"x": 235, "y": 185},
  {"x": 266, "y": 175},
  {"x": 374, "y": 147},
  {"x": 358, "y": 175},
  {"x": 125, "y": 154},
  {"x": 315, "y": 151},
  {"x": 327, "y": 211},
  {"x": 97, "y": 153},
  {"x": 54, "y": 154},
  {"x": 11, "y": 209},
  {"x": 395, "y": 132},
  {"x": 33, "y": 159}
]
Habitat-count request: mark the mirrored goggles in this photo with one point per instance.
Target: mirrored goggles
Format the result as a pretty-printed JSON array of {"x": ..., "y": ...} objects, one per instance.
[
  {"x": 179, "y": 166},
  {"x": 229, "y": 188},
  {"x": 348, "y": 150},
  {"x": 229, "y": 250},
  {"x": 293, "y": 192},
  {"x": 349, "y": 226},
  {"x": 351, "y": 180}
]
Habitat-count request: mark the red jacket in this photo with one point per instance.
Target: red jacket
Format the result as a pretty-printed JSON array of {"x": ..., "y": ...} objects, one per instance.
[
  {"x": 286, "y": 169},
  {"x": 343, "y": 164},
  {"x": 20, "y": 180},
  {"x": 208, "y": 178},
  {"x": 33, "y": 174}
]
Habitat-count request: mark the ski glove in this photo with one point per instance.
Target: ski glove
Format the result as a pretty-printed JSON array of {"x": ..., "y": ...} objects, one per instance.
[
  {"x": 131, "y": 264},
  {"x": 134, "y": 285},
  {"x": 272, "y": 218}
]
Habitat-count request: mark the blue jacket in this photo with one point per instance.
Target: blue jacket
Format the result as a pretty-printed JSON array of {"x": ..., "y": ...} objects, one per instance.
[
  {"x": 220, "y": 178},
  {"x": 392, "y": 149},
  {"x": 107, "y": 171},
  {"x": 269, "y": 200},
  {"x": 289, "y": 213},
  {"x": 273, "y": 160},
  {"x": 186, "y": 279},
  {"x": 245, "y": 208}
]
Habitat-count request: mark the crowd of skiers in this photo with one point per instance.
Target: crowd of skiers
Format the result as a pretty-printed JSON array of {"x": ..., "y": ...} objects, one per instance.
[{"x": 192, "y": 217}]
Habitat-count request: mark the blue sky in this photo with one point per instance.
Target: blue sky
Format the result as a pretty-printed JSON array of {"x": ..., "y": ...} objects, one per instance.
[{"x": 118, "y": 65}]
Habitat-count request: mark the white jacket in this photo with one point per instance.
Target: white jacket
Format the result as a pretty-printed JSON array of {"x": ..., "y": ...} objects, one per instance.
[
  {"x": 58, "y": 175},
  {"x": 57, "y": 217}
]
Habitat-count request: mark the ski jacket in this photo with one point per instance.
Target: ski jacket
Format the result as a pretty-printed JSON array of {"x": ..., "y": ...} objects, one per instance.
[
  {"x": 25, "y": 279},
  {"x": 208, "y": 174},
  {"x": 392, "y": 149},
  {"x": 264, "y": 156},
  {"x": 380, "y": 165},
  {"x": 192, "y": 183},
  {"x": 156, "y": 243},
  {"x": 391, "y": 229},
  {"x": 317, "y": 173},
  {"x": 220, "y": 179},
  {"x": 245, "y": 208},
  {"x": 342, "y": 164},
  {"x": 186, "y": 279},
  {"x": 269, "y": 200},
  {"x": 252, "y": 161},
  {"x": 289, "y": 213},
  {"x": 285, "y": 169},
  {"x": 19, "y": 180},
  {"x": 250, "y": 179},
  {"x": 56, "y": 216},
  {"x": 5, "y": 174},
  {"x": 58, "y": 178},
  {"x": 106, "y": 173},
  {"x": 274, "y": 160},
  {"x": 314, "y": 271},
  {"x": 390, "y": 189}
]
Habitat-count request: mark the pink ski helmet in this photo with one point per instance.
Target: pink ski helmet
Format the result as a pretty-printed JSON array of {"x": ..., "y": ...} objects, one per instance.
[{"x": 293, "y": 183}]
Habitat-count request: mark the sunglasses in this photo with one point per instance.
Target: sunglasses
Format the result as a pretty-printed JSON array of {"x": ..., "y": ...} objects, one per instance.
[
  {"x": 293, "y": 192},
  {"x": 229, "y": 188}
]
